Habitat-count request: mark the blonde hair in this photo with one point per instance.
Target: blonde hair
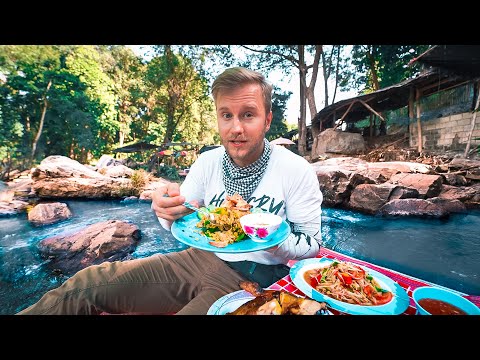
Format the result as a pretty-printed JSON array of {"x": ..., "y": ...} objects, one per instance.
[{"x": 235, "y": 77}]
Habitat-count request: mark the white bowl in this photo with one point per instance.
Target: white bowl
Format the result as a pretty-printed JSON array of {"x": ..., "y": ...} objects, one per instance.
[{"x": 260, "y": 227}]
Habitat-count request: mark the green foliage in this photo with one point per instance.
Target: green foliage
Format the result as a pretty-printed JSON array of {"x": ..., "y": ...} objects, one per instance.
[
  {"x": 278, "y": 126},
  {"x": 478, "y": 146},
  {"x": 169, "y": 172},
  {"x": 390, "y": 62},
  {"x": 181, "y": 97}
]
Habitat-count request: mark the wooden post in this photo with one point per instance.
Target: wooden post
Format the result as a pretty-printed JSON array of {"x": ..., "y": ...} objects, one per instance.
[
  {"x": 474, "y": 118},
  {"x": 345, "y": 114},
  {"x": 411, "y": 105},
  {"x": 371, "y": 125},
  {"x": 419, "y": 123},
  {"x": 371, "y": 109}
]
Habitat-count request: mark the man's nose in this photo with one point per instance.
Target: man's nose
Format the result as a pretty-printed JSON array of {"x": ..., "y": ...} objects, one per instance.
[{"x": 237, "y": 126}]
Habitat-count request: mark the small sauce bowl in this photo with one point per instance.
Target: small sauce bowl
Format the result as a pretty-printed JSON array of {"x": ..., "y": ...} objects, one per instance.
[
  {"x": 260, "y": 227},
  {"x": 440, "y": 302}
]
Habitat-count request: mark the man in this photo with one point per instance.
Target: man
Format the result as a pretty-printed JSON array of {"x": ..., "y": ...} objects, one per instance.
[{"x": 190, "y": 281}]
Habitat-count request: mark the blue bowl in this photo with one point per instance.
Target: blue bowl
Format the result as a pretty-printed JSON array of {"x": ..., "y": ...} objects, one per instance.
[{"x": 429, "y": 292}]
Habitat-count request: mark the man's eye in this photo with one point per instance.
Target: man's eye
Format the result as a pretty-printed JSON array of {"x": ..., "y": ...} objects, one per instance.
[
  {"x": 227, "y": 116},
  {"x": 248, "y": 115}
]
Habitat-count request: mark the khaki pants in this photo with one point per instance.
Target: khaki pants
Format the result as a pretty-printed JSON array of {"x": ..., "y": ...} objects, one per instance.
[{"x": 186, "y": 283}]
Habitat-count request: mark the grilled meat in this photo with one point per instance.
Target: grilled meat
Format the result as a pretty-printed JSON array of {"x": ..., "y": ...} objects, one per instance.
[{"x": 276, "y": 302}]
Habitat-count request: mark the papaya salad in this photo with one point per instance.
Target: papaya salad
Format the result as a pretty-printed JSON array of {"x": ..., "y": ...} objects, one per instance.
[
  {"x": 347, "y": 282},
  {"x": 224, "y": 228}
]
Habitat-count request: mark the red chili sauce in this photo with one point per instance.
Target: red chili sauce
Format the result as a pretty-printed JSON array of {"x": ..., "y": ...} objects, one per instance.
[{"x": 439, "y": 307}]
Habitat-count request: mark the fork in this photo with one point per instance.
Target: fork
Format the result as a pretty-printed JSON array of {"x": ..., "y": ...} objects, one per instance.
[{"x": 194, "y": 208}]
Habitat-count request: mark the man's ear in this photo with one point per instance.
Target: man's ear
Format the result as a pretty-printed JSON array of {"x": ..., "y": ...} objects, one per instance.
[{"x": 268, "y": 121}]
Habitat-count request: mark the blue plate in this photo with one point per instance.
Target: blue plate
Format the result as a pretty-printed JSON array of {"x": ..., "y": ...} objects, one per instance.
[
  {"x": 396, "y": 306},
  {"x": 186, "y": 231}
]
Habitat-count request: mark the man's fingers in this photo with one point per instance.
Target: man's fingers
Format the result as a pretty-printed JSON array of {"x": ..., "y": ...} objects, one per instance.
[
  {"x": 195, "y": 203},
  {"x": 172, "y": 190}
]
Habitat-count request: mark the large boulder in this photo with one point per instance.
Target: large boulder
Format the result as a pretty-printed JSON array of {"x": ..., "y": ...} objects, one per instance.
[
  {"x": 57, "y": 166},
  {"x": 338, "y": 142},
  {"x": 103, "y": 241},
  {"x": 61, "y": 177}
]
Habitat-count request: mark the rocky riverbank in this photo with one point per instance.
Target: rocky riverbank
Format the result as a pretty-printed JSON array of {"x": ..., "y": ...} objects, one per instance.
[{"x": 385, "y": 188}]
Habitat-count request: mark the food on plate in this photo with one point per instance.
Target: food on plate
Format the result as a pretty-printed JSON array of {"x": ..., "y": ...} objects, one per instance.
[
  {"x": 349, "y": 283},
  {"x": 224, "y": 228},
  {"x": 276, "y": 302}
]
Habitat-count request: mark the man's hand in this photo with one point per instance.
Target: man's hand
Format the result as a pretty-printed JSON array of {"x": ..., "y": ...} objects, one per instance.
[{"x": 167, "y": 203}]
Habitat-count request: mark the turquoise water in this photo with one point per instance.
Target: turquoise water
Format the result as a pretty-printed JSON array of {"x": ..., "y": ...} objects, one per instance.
[{"x": 443, "y": 252}]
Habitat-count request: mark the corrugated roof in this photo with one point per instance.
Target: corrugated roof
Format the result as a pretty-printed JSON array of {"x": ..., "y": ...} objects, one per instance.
[
  {"x": 458, "y": 59},
  {"x": 137, "y": 147},
  {"x": 389, "y": 98}
]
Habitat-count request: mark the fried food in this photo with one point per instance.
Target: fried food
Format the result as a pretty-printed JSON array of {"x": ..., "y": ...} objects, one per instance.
[
  {"x": 276, "y": 302},
  {"x": 225, "y": 227}
]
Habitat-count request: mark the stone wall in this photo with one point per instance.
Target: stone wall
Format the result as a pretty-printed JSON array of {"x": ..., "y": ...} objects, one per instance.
[{"x": 446, "y": 133}]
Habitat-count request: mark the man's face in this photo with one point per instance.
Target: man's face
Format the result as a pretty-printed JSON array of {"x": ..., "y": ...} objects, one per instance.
[{"x": 242, "y": 123}]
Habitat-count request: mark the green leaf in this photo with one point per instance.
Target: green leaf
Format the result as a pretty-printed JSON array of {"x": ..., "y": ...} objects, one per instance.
[{"x": 203, "y": 211}]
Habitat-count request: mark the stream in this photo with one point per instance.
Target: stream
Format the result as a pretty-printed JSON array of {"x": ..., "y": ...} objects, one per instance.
[{"x": 445, "y": 252}]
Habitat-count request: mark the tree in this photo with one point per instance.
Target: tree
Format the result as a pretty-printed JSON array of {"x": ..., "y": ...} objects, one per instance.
[
  {"x": 181, "y": 96},
  {"x": 127, "y": 72},
  {"x": 378, "y": 66},
  {"x": 29, "y": 72},
  {"x": 334, "y": 64},
  {"x": 278, "y": 127}
]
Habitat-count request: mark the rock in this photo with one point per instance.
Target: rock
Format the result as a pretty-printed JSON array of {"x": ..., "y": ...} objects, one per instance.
[
  {"x": 118, "y": 171},
  {"x": 57, "y": 166},
  {"x": 339, "y": 142},
  {"x": 13, "y": 207},
  {"x": 369, "y": 198},
  {"x": 49, "y": 213},
  {"x": 427, "y": 185},
  {"x": 107, "y": 161},
  {"x": 99, "y": 188},
  {"x": 452, "y": 206},
  {"x": 413, "y": 207},
  {"x": 130, "y": 199},
  {"x": 103, "y": 241}
]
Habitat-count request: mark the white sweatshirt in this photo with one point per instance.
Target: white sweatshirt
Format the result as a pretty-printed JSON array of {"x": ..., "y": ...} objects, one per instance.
[{"x": 289, "y": 188}]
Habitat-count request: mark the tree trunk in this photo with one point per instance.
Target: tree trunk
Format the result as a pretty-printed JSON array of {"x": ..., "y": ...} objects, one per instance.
[
  {"x": 310, "y": 89},
  {"x": 42, "y": 120},
  {"x": 373, "y": 69},
  {"x": 337, "y": 68},
  {"x": 302, "y": 127},
  {"x": 326, "y": 75}
]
